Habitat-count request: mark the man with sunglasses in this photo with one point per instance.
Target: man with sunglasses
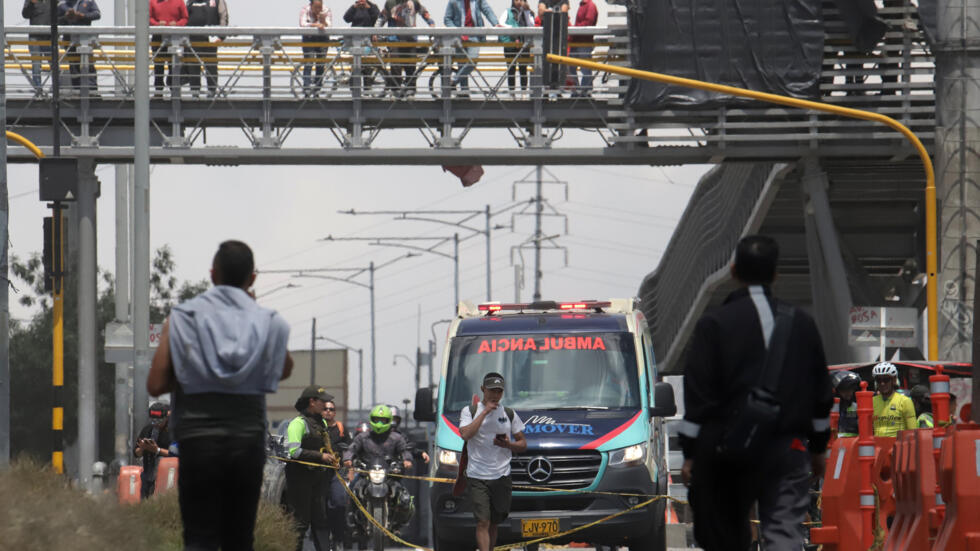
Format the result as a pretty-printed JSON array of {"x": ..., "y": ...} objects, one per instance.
[
  {"x": 893, "y": 411},
  {"x": 336, "y": 494},
  {"x": 308, "y": 483}
]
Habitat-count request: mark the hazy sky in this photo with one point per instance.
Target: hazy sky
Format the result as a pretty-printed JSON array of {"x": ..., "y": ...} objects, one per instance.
[{"x": 619, "y": 221}]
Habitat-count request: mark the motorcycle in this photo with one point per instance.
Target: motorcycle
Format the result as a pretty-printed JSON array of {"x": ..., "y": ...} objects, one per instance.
[{"x": 384, "y": 499}]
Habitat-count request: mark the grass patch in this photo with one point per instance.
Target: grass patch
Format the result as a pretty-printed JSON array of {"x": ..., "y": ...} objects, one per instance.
[{"x": 40, "y": 510}]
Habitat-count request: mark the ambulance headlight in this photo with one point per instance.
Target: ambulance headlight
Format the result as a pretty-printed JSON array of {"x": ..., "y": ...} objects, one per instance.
[
  {"x": 447, "y": 458},
  {"x": 632, "y": 455}
]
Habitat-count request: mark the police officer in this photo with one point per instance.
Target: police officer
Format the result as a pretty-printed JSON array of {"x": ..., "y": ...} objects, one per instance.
[
  {"x": 307, "y": 486},
  {"x": 846, "y": 383}
]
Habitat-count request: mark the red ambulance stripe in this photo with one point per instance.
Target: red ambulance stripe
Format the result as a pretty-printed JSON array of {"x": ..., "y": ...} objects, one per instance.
[
  {"x": 451, "y": 426},
  {"x": 611, "y": 434}
]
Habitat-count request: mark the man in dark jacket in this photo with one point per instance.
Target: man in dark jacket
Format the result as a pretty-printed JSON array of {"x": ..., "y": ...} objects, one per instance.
[
  {"x": 307, "y": 486},
  {"x": 152, "y": 443},
  {"x": 362, "y": 13},
  {"x": 38, "y": 12},
  {"x": 728, "y": 353},
  {"x": 204, "y": 13},
  {"x": 79, "y": 12}
]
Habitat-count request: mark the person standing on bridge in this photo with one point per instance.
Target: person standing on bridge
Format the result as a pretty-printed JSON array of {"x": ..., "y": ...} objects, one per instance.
[
  {"x": 518, "y": 15},
  {"x": 586, "y": 16},
  {"x": 38, "y": 12},
  {"x": 314, "y": 16},
  {"x": 79, "y": 12},
  {"x": 205, "y": 13},
  {"x": 165, "y": 13},
  {"x": 753, "y": 344},
  {"x": 488, "y": 433},
  {"x": 220, "y": 353},
  {"x": 468, "y": 13}
]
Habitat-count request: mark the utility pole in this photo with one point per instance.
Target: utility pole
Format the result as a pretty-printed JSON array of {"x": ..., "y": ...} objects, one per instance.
[
  {"x": 537, "y": 233},
  {"x": 313, "y": 353},
  {"x": 124, "y": 376},
  {"x": 538, "y": 241},
  {"x": 141, "y": 215},
  {"x": 88, "y": 435}
]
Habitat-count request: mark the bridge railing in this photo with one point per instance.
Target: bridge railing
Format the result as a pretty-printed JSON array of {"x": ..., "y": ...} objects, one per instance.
[{"x": 209, "y": 63}]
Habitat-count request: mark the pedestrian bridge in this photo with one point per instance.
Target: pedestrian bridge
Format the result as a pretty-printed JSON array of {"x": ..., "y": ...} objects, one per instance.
[{"x": 362, "y": 103}]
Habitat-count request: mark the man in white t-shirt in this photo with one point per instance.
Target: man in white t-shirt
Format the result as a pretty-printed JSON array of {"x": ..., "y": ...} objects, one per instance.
[{"x": 487, "y": 429}]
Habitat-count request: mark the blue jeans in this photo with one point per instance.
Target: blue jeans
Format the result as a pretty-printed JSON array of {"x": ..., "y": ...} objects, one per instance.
[
  {"x": 462, "y": 77},
  {"x": 311, "y": 83},
  {"x": 582, "y": 52},
  {"x": 37, "y": 51}
]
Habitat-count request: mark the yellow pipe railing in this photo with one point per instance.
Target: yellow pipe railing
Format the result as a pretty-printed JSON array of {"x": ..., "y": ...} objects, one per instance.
[{"x": 932, "y": 296}]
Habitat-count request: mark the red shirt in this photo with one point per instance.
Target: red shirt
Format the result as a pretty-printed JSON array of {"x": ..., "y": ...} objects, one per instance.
[
  {"x": 168, "y": 10},
  {"x": 586, "y": 16}
]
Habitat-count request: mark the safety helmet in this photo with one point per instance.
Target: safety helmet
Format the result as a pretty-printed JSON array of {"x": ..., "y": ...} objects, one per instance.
[
  {"x": 919, "y": 394},
  {"x": 885, "y": 369},
  {"x": 396, "y": 416},
  {"x": 380, "y": 420},
  {"x": 843, "y": 380}
]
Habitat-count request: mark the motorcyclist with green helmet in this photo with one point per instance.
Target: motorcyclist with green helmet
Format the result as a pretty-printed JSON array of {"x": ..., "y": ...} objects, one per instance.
[
  {"x": 378, "y": 446},
  {"x": 378, "y": 443}
]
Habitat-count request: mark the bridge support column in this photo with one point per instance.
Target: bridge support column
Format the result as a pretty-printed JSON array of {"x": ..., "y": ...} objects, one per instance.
[
  {"x": 828, "y": 276},
  {"x": 88, "y": 434},
  {"x": 957, "y": 157}
]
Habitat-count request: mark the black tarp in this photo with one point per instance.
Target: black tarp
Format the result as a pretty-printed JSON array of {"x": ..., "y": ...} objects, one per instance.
[
  {"x": 766, "y": 45},
  {"x": 863, "y": 24}
]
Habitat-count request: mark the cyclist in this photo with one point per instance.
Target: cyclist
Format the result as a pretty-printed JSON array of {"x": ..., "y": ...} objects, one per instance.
[{"x": 893, "y": 411}]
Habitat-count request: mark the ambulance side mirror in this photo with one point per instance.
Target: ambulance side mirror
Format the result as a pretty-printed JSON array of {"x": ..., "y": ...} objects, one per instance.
[
  {"x": 424, "y": 410},
  {"x": 663, "y": 401}
]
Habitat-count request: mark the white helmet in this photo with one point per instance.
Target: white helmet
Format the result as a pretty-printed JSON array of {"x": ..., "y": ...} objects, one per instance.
[{"x": 885, "y": 369}]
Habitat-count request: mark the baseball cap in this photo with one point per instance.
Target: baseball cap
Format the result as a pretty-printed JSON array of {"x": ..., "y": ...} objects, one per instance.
[
  {"x": 314, "y": 391},
  {"x": 493, "y": 381}
]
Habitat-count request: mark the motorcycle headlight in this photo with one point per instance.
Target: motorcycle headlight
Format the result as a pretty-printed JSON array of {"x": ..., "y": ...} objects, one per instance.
[
  {"x": 448, "y": 458},
  {"x": 376, "y": 476},
  {"x": 631, "y": 455}
]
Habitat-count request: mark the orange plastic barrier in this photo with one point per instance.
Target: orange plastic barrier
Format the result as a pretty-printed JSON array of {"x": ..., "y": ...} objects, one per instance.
[
  {"x": 166, "y": 475},
  {"x": 959, "y": 478},
  {"x": 916, "y": 520},
  {"x": 882, "y": 477},
  {"x": 840, "y": 505},
  {"x": 128, "y": 484}
]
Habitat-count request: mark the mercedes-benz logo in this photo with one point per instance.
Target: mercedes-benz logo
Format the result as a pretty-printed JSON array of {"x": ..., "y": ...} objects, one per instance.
[{"x": 539, "y": 469}]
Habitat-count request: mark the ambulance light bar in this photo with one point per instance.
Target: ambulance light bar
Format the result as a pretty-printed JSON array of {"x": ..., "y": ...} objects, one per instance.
[{"x": 545, "y": 305}]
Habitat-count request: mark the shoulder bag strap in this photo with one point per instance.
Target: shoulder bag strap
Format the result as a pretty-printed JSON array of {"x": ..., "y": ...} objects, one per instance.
[{"x": 776, "y": 354}]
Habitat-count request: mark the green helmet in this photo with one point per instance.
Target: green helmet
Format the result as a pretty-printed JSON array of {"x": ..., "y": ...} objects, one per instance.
[{"x": 380, "y": 419}]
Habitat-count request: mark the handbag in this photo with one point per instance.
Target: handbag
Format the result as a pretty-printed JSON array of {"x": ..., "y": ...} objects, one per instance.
[{"x": 755, "y": 417}]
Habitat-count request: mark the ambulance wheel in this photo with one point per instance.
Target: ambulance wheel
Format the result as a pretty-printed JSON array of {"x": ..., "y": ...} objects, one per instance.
[{"x": 656, "y": 539}]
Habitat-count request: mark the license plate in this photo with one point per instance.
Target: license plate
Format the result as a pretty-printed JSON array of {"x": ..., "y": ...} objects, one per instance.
[{"x": 537, "y": 527}]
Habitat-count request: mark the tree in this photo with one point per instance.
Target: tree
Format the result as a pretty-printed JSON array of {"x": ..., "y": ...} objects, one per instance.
[{"x": 31, "y": 352}]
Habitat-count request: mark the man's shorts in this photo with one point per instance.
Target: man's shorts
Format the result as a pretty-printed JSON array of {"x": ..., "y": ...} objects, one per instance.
[{"x": 490, "y": 499}]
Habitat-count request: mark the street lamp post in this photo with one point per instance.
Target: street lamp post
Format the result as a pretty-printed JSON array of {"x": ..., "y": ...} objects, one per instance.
[{"x": 400, "y": 242}]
